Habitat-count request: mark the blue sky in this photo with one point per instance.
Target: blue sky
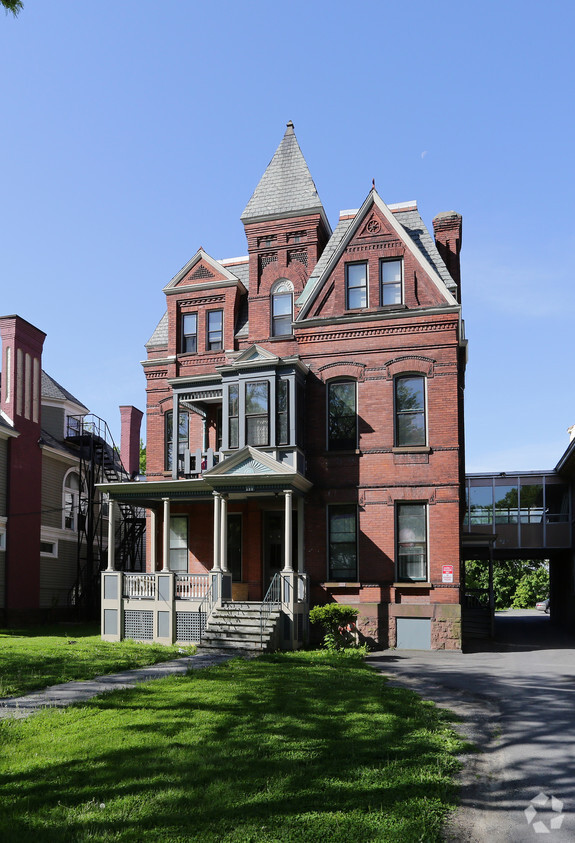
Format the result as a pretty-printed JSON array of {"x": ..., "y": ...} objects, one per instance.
[{"x": 132, "y": 132}]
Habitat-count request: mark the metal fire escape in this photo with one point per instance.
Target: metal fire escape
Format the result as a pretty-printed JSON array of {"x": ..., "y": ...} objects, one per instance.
[{"x": 100, "y": 463}]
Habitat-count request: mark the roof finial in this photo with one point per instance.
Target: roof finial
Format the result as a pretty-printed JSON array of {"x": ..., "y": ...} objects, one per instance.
[
  {"x": 373, "y": 184},
  {"x": 289, "y": 125}
]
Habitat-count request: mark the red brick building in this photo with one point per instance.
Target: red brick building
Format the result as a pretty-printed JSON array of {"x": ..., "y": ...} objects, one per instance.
[{"x": 305, "y": 411}]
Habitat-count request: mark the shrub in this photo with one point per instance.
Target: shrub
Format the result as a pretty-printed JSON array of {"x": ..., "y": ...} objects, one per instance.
[{"x": 338, "y": 623}]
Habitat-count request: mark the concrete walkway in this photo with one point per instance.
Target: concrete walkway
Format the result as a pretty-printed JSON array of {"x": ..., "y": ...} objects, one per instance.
[
  {"x": 68, "y": 693},
  {"x": 516, "y": 701}
]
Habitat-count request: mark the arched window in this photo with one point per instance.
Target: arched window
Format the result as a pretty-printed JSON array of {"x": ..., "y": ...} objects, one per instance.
[
  {"x": 282, "y": 308},
  {"x": 71, "y": 501},
  {"x": 342, "y": 415}
]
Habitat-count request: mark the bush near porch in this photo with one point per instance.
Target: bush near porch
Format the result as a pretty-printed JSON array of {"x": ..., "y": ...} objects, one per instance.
[
  {"x": 292, "y": 747},
  {"x": 41, "y": 656}
]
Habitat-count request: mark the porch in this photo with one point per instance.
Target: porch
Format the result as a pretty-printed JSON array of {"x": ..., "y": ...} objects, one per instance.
[{"x": 179, "y": 599}]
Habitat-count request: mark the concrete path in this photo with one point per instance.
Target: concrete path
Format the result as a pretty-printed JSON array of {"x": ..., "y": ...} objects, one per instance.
[
  {"x": 516, "y": 698},
  {"x": 59, "y": 696}
]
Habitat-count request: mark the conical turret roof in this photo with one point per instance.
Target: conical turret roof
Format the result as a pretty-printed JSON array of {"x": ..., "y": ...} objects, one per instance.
[{"x": 286, "y": 189}]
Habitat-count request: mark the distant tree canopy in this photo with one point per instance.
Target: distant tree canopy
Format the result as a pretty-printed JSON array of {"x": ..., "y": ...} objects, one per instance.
[
  {"x": 142, "y": 457},
  {"x": 516, "y": 583},
  {"x": 13, "y": 6}
]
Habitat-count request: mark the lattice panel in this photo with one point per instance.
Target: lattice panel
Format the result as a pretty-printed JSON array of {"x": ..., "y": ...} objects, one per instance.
[
  {"x": 190, "y": 626},
  {"x": 139, "y": 625}
]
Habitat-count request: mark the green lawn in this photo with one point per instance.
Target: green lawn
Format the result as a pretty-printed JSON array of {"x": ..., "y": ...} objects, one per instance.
[
  {"x": 293, "y": 747},
  {"x": 36, "y": 658}
]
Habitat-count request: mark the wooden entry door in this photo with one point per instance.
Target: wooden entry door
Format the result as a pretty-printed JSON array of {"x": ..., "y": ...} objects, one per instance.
[{"x": 274, "y": 545}]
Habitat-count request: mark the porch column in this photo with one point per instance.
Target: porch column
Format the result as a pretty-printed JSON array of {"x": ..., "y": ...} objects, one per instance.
[
  {"x": 111, "y": 534},
  {"x": 300, "y": 536},
  {"x": 217, "y": 531},
  {"x": 153, "y": 540},
  {"x": 287, "y": 533},
  {"x": 166, "y": 536},
  {"x": 224, "y": 533}
]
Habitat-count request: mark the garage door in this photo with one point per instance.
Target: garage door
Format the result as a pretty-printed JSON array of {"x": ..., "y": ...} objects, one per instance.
[{"x": 414, "y": 633}]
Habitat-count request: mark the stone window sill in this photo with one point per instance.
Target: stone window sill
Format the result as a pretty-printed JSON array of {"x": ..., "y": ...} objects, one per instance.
[
  {"x": 341, "y": 584},
  {"x": 412, "y": 585},
  {"x": 412, "y": 449}
]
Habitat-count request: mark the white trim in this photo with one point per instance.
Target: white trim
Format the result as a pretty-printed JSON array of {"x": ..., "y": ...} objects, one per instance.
[
  {"x": 230, "y": 261},
  {"x": 53, "y": 453},
  {"x": 200, "y": 255}
]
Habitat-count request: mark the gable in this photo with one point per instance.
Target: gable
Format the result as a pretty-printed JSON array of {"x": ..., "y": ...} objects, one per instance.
[
  {"x": 202, "y": 271},
  {"x": 372, "y": 236}
]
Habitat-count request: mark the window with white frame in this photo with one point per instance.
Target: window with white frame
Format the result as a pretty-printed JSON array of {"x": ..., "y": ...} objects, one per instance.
[
  {"x": 189, "y": 344},
  {"x": 342, "y": 542},
  {"x": 214, "y": 330},
  {"x": 49, "y": 548},
  {"x": 411, "y": 533},
  {"x": 71, "y": 500},
  {"x": 183, "y": 438},
  {"x": 391, "y": 273},
  {"x": 410, "y": 422},
  {"x": 282, "y": 308},
  {"x": 3, "y": 523},
  {"x": 355, "y": 285},
  {"x": 257, "y": 413},
  {"x": 178, "y": 543}
]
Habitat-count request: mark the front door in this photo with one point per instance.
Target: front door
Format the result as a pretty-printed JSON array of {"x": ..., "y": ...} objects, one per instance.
[{"x": 274, "y": 545}]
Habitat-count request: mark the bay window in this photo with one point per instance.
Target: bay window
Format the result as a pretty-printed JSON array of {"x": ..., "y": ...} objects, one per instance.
[{"x": 257, "y": 413}]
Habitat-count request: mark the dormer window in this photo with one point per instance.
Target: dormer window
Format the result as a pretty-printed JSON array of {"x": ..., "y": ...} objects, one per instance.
[
  {"x": 189, "y": 333},
  {"x": 282, "y": 308},
  {"x": 214, "y": 330},
  {"x": 356, "y": 285},
  {"x": 391, "y": 278}
]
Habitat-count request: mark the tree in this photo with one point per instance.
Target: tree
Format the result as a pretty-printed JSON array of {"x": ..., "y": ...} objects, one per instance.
[
  {"x": 13, "y": 6},
  {"x": 142, "y": 457},
  {"x": 516, "y": 582}
]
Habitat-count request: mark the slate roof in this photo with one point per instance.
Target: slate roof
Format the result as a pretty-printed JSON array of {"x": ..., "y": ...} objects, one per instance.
[
  {"x": 417, "y": 230},
  {"x": 52, "y": 389},
  {"x": 286, "y": 187},
  {"x": 414, "y": 227},
  {"x": 159, "y": 338}
]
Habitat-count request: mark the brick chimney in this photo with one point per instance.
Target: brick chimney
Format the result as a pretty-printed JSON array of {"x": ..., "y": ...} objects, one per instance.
[
  {"x": 20, "y": 397},
  {"x": 447, "y": 230},
  {"x": 130, "y": 439}
]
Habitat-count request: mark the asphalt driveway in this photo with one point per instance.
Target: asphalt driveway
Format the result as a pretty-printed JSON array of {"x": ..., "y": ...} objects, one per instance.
[{"x": 516, "y": 698}]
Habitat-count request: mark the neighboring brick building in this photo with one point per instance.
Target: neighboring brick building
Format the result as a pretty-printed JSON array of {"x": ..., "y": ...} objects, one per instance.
[
  {"x": 52, "y": 527},
  {"x": 305, "y": 409}
]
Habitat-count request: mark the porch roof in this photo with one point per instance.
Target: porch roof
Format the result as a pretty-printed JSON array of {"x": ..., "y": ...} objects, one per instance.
[{"x": 247, "y": 473}]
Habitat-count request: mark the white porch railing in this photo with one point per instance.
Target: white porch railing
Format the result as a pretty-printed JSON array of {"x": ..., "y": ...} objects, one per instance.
[
  {"x": 192, "y": 586},
  {"x": 140, "y": 586}
]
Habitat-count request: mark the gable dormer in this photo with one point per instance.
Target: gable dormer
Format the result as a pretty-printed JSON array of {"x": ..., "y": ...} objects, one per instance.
[
  {"x": 286, "y": 229},
  {"x": 203, "y": 300},
  {"x": 373, "y": 264}
]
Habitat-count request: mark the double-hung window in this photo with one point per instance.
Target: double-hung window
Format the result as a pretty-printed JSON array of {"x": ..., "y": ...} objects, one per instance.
[
  {"x": 178, "y": 543},
  {"x": 341, "y": 416},
  {"x": 342, "y": 542},
  {"x": 214, "y": 330},
  {"x": 356, "y": 285},
  {"x": 189, "y": 333},
  {"x": 71, "y": 500},
  {"x": 282, "y": 412},
  {"x": 234, "y": 416},
  {"x": 391, "y": 282},
  {"x": 411, "y": 532},
  {"x": 257, "y": 413},
  {"x": 410, "y": 411},
  {"x": 183, "y": 439}
]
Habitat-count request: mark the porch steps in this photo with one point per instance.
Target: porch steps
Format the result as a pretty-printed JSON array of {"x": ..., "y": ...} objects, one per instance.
[{"x": 236, "y": 626}]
